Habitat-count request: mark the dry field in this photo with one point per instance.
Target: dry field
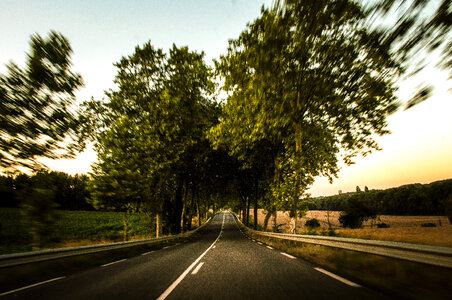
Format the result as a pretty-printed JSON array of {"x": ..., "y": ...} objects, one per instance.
[{"x": 402, "y": 228}]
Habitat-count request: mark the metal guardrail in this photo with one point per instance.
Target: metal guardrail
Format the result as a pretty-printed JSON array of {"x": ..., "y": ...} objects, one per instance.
[
  {"x": 432, "y": 255},
  {"x": 15, "y": 259}
]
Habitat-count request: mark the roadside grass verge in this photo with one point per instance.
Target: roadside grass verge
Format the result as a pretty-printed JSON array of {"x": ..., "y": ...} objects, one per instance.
[
  {"x": 403, "y": 279},
  {"x": 408, "y": 229},
  {"x": 73, "y": 228}
]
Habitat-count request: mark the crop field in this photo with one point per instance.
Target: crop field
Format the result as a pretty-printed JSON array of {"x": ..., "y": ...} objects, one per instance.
[
  {"x": 74, "y": 228},
  {"x": 401, "y": 228}
]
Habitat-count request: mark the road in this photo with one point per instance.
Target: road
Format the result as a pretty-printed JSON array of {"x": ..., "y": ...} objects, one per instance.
[{"x": 222, "y": 263}]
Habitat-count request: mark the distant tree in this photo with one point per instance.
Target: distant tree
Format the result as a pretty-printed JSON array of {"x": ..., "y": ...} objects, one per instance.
[
  {"x": 36, "y": 104},
  {"x": 7, "y": 196},
  {"x": 358, "y": 189},
  {"x": 312, "y": 223},
  {"x": 70, "y": 191},
  {"x": 38, "y": 208},
  {"x": 366, "y": 189}
]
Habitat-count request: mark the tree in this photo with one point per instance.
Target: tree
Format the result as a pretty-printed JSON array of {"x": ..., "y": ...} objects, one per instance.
[
  {"x": 36, "y": 104},
  {"x": 150, "y": 134},
  {"x": 308, "y": 76},
  {"x": 38, "y": 207},
  {"x": 7, "y": 192},
  {"x": 413, "y": 31}
]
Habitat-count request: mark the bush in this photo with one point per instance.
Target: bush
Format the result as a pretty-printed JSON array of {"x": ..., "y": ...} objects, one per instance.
[
  {"x": 382, "y": 225},
  {"x": 428, "y": 225},
  {"x": 312, "y": 223},
  {"x": 330, "y": 232},
  {"x": 351, "y": 221}
]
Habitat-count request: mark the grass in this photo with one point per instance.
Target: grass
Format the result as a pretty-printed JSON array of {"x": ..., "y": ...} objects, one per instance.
[
  {"x": 74, "y": 228},
  {"x": 407, "y": 229}
]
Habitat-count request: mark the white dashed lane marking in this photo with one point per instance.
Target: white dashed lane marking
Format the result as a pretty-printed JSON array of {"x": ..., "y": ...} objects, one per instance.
[
  {"x": 30, "y": 286},
  {"x": 337, "y": 277},
  {"x": 197, "y": 269},
  {"x": 115, "y": 262},
  {"x": 288, "y": 255}
]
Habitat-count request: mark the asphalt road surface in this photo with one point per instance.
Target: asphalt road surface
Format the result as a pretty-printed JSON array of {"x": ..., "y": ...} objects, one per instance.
[{"x": 222, "y": 263}]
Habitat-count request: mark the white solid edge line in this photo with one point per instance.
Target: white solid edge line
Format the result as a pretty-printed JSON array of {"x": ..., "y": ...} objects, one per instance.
[
  {"x": 182, "y": 276},
  {"x": 269, "y": 247},
  {"x": 30, "y": 286},
  {"x": 197, "y": 268},
  {"x": 288, "y": 255},
  {"x": 146, "y": 253},
  {"x": 343, "y": 280},
  {"x": 115, "y": 262}
]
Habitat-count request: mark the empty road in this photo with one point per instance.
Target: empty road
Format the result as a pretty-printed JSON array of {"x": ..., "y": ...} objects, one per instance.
[{"x": 222, "y": 263}]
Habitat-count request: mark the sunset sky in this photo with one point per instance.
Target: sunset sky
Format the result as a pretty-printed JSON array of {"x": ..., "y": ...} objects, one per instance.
[{"x": 419, "y": 150}]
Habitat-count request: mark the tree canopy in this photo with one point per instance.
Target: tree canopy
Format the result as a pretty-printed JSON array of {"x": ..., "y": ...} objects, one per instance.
[
  {"x": 151, "y": 133},
  {"x": 414, "y": 32},
  {"x": 37, "y": 113},
  {"x": 308, "y": 77}
]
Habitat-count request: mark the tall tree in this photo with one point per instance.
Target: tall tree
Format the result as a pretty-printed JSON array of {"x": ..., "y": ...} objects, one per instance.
[
  {"x": 307, "y": 74},
  {"x": 152, "y": 130},
  {"x": 37, "y": 104}
]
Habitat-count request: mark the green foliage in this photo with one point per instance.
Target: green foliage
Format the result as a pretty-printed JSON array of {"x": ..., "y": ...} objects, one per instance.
[
  {"x": 39, "y": 210},
  {"x": 36, "y": 104},
  {"x": 310, "y": 80},
  {"x": 150, "y": 136},
  {"x": 351, "y": 221},
  {"x": 7, "y": 192},
  {"x": 312, "y": 223},
  {"x": 70, "y": 192},
  {"x": 413, "y": 199},
  {"x": 413, "y": 31}
]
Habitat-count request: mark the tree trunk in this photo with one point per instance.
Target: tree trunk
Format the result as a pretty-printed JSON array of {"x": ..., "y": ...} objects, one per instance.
[
  {"x": 248, "y": 203},
  {"x": 243, "y": 210},
  {"x": 191, "y": 208},
  {"x": 328, "y": 218},
  {"x": 126, "y": 227},
  {"x": 197, "y": 211},
  {"x": 267, "y": 218},
  {"x": 256, "y": 197},
  {"x": 275, "y": 223},
  {"x": 178, "y": 207},
  {"x": 297, "y": 188},
  {"x": 184, "y": 207},
  {"x": 158, "y": 225},
  {"x": 182, "y": 217}
]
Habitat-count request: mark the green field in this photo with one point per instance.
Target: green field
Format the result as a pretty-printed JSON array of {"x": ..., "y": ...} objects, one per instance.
[{"x": 72, "y": 226}]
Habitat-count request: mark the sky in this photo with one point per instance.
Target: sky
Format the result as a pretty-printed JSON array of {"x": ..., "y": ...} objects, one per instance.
[{"x": 419, "y": 150}]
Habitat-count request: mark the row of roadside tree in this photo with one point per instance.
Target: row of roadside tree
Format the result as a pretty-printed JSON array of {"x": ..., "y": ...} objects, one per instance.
[{"x": 308, "y": 84}]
